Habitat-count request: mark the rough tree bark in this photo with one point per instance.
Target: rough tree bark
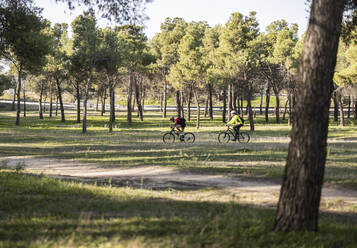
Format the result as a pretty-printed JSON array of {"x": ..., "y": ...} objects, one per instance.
[{"x": 298, "y": 206}]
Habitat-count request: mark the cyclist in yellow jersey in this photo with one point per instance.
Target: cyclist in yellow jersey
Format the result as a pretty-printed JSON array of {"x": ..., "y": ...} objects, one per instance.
[{"x": 237, "y": 123}]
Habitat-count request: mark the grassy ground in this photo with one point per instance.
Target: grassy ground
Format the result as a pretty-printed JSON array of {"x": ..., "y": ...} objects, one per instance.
[
  {"x": 141, "y": 144},
  {"x": 43, "y": 212},
  {"x": 37, "y": 211}
]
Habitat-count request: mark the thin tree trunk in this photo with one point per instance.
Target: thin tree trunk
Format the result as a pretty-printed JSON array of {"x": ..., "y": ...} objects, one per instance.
[
  {"x": 224, "y": 118},
  {"x": 234, "y": 98},
  {"x": 355, "y": 115},
  {"x": 161, "y": 103},
  {"x": 56, "y": 104},
  {"x": 59, "y": 92},
  {"x": 286, "y": 107},
  {"x": 198, "y": 109},
  {"x": 129, "y": 99},
  {"x": 112, "y": 108},
  {"x": 210, "y": 102},
  {"x": 14, "y": 98},
  {"x": 85, "y": 101},
  {"x": 18, "y": 97},
  {"x": 51, "y": 100},
  {"x": 267, "y": 101},
  {"x": 165, "y": 100},
  {"x": 250, "y": 112},
  {"x": 40, "y": 102},
  {"x": 97, "y": 103},
  {"x": 290, "y": 109},
  {"x": 178, "y": 104},
  {"x": 229, "y": 99},
  {"x": 277, "y": 107},
  {"x": 298, "y": 206},
  {"x": 138, "y": 100},
  {"x": 206, "y": 106},
  {"x": 78, "y": 96},
  {"x": 238, "y": 105},
  {"x": 349, "y": 108},
  {"x": 24, "y": 99},
  {"x": 182, "y": 99},
  {"x": 261, "y": 103},
  {"x": 335, "y": 108},
  {"x": 342, "y": 114},
  {"x": 189, "y": 104}
]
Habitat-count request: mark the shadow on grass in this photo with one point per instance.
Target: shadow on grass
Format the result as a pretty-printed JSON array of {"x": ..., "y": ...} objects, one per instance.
[{"x": 39, "y": 211}]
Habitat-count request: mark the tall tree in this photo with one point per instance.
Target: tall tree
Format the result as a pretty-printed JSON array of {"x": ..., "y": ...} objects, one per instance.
[
  {"x": 22, "y": 40},
  {"x": 85, "y": 50},
  {"x": 299, "y": 201}
]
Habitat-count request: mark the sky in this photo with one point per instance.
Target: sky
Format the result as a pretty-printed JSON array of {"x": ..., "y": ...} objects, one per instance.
[{"x": 212, "y": 11}]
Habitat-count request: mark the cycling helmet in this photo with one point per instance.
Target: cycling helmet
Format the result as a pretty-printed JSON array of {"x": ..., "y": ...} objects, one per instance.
[
  {"x": 172, "y": 118},
  {"x": 233, "y": 112}
]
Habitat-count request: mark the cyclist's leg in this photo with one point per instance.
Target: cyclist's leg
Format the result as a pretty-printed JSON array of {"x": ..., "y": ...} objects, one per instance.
[{"x": 236, "y": 129}]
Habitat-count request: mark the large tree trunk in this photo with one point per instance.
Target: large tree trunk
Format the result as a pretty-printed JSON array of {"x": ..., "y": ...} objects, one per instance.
[
  {"x": 59, "y": 92},
  {"x": 224, "y": 118},
  {"x": 85, "y": 101},
  {"x": 18, "y": 97},
  {"x": 78, "y": 96},
  {"x": 164, "y": 99},
  {"x": 298, "y": 206},
  {"x": 130, "y": 94},
  {"x": 267, "y": 101},
  {"x": 210, "y": 102},
  {"x": 56, "y": 104},
  {"x": 198, "y": 109},
  {"x": 355, "y": 114}
]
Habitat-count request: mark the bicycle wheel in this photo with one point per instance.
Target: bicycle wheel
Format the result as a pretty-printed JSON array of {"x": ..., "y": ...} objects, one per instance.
[
  {"x": 189, "y": 138},
  {"x": 168, "y": 138},
  {"x": 243, "y": 137},
  {"x": 223, "y": 137}
]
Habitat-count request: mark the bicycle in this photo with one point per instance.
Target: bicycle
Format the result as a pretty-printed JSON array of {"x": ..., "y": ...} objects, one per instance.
[
  {"x": 170, "y": 137},
  {"x": 229, "y": 134}
]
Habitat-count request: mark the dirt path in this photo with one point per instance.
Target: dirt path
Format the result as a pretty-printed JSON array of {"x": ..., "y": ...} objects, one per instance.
[{"x": 250, "y": 190}]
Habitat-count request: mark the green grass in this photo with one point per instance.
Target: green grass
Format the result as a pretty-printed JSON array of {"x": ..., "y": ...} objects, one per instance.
[
  {"x": 141, "y": 144},
  {"x": 37, "y": 211}
]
